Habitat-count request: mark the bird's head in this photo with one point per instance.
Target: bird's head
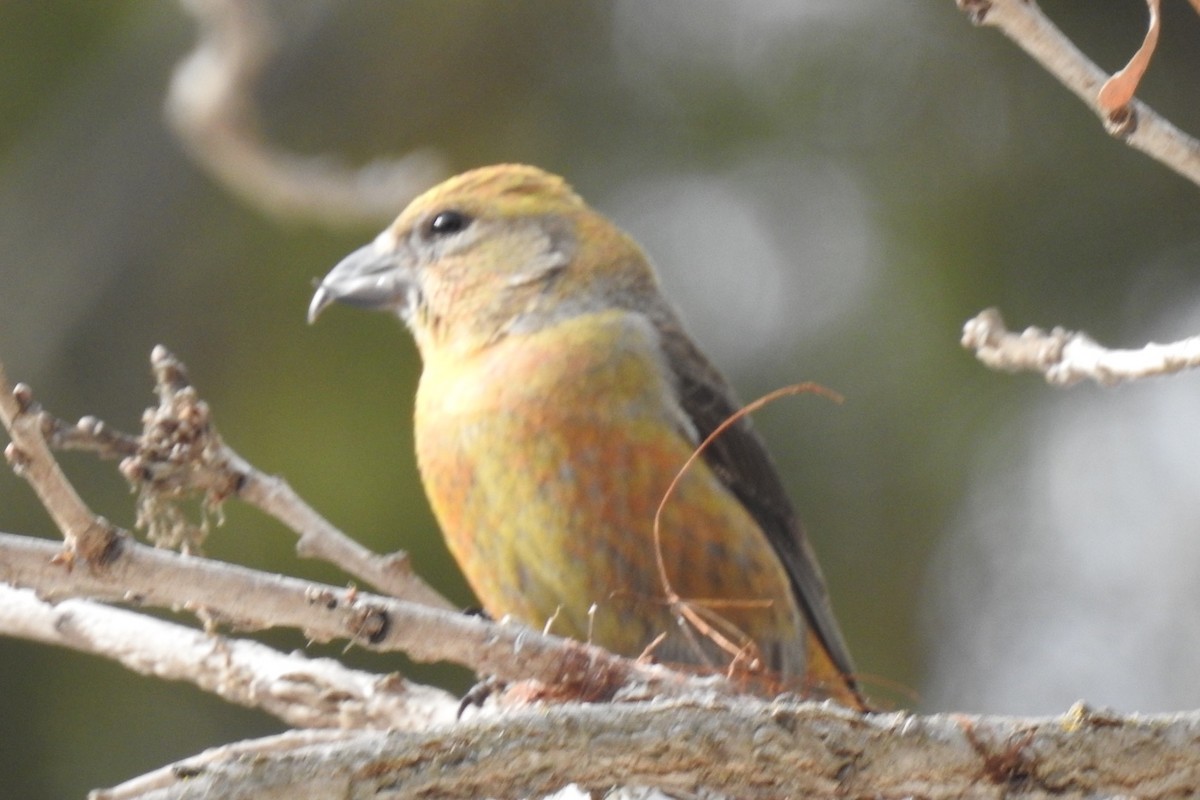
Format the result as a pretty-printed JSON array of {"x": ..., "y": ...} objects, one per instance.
[{"x": 492, "y": 252}]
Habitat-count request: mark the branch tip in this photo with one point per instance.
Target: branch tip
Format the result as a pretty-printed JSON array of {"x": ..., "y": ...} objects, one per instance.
[
  {"x": 18, "y": 459},
  {"x": 976, "y": 10},
  {"x": 1065, "y": 357},
  {"x": 23, "y": 394}
]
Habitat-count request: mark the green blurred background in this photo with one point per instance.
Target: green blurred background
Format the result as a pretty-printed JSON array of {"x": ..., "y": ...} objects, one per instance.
[{"x": 829, "y": 190}]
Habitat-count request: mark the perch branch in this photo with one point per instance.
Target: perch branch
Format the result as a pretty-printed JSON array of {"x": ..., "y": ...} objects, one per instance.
[
  {"x": 745, "y": 748},
  {"x": 248, "y": 599}
]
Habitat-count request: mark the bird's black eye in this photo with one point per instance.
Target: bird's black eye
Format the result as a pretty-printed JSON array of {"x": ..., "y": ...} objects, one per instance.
[{"x": 445, "y": 223}]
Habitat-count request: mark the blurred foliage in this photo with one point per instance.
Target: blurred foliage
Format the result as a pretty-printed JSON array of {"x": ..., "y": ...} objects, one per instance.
[{"x": 902, "y": 168}]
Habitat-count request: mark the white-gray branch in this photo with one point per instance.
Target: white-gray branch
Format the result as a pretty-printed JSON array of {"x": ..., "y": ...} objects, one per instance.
[
  {"x": 1137, "y": 124},
  {"x": 1065, "y": 357},
  {"x": 745, "y": 748}
]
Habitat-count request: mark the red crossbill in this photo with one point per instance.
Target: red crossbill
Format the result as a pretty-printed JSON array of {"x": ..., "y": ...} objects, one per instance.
[{"x": 559, "y": 397}]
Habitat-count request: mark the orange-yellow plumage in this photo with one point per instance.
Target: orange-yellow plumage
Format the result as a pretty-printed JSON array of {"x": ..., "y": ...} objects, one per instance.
[
  {"x": 497, "y": 459},
  {"x": 559, "y": 398}
]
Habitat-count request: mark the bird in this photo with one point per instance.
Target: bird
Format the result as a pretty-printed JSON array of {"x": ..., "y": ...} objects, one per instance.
[{"x": 560, "y": 394}]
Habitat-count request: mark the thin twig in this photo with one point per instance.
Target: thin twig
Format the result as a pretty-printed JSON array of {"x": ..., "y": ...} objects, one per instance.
[
  {"x": 214, "y": 467},
  {"x": 179, "y": 454},
  {"x": 1136, "y": 124},
  {"x": 86, "y": 535},
  {"x": 1064, "y": 357}
]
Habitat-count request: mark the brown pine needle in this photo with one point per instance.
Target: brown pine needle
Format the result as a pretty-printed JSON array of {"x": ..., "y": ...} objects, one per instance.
[{"x": 699, "y": 613}]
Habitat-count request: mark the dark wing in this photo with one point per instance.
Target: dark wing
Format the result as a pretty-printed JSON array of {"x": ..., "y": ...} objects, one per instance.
[{"x": 740, "y": 459}]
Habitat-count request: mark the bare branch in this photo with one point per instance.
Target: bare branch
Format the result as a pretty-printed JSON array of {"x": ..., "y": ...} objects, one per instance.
[
  {"x": 1065, "y": 358},
  {"x": 212, "y": 108},
  {"x": 745, "y": 748},
  {"x": 1136, "y": 123},
  {"x": 89, "y": 435},
  {"x": 179, "y": 454},
  {"x": 391, "y": 573},
  {"x": 87, "y": 536},
  {"x": 301, "y": 691},
  {"x": 180, "y": 448},
  {"x": 168, "y": 777},
  {"x": 251, "y": 600}
]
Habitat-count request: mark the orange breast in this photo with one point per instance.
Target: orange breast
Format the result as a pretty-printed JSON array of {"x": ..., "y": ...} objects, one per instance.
[{"x": 545, "y": 458}]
